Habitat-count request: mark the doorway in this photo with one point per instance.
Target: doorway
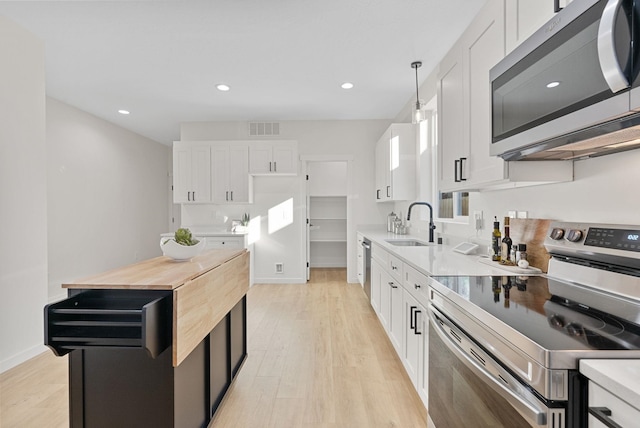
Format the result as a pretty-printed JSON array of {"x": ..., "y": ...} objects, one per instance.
[{"x": 327, "y": 208}]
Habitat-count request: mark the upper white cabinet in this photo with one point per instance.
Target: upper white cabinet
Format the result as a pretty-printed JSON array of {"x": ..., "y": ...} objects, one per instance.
[
  {"x": 464, "y": 112},
  {"x": 230, "y": 173},
  {"x": 396, "y": 164},
  {"x": 525, "y": 17},
  {"x": 273, "y": 157},
  {"x": 191, "y": 172}
]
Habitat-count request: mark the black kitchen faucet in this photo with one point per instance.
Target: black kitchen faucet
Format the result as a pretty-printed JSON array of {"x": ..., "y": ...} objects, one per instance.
[{"x": 431, "y": 225}]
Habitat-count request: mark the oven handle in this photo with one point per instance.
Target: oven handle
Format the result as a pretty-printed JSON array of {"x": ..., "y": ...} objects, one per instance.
[
  {"x": 609, "y": 64},
  {"x": 529, "y": 407}
]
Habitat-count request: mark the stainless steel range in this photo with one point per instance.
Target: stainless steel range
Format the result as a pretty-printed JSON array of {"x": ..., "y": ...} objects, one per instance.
[{"x": 504, "y": 350}]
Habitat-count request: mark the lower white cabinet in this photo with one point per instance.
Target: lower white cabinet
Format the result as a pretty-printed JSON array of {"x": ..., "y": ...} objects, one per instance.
[
  {"x": 415, "y": 351},
  {"x": 394, "y": 285},
  {"x": 224, "y": 242}
]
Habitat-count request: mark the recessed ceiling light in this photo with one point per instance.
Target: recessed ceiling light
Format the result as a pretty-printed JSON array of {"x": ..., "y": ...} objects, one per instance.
[
  {"x": 347, "y": 85},
  {"x": 222, "y": 87},
  {"x": 552, "y": 84},
  {"x": 123, "y": 111}
]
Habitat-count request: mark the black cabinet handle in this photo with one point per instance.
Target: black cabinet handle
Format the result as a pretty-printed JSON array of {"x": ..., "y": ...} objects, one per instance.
[
  {"x": 377, "y": 193},
  {"x": 388, "y": 195},
  {"x": 275, "y": 167},
  {"x": 226, "y": 198},
  {"x": 193, "y": 196},
  {"x": 232, "y": 195},
  {"x": 416, "y": 286},
  {"x": 415, "y": 321},
  {"x": 604, "y": 415},
  {"x": 411, "y": 318},
  {"x": 188, "y": 196},
  {"x": 455, "y": 170},
  {"x": 556, "y": 6},
  {"x": 462, "y": 162},
  {"x": 392, "y": 285},
  {"x": 269, "y": 166}
]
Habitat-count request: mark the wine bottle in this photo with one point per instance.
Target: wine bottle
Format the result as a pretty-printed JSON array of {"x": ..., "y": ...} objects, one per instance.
[
  {"x": 505, "y": 250},
  {"x": 495, "y": 240}
]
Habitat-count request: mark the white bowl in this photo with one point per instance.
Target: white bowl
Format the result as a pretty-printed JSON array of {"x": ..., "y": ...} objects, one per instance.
[{"x": 172, "y": 249}]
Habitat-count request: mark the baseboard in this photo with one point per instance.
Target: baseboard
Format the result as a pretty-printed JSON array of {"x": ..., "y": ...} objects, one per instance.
[{"x": 21, "y": 357}]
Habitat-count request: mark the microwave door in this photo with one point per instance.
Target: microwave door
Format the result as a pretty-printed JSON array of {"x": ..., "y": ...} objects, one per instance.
[{"x": 570, "y": 75}]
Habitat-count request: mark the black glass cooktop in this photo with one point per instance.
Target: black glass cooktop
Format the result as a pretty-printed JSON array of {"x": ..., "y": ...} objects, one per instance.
[{"x": 554, "y": 314}]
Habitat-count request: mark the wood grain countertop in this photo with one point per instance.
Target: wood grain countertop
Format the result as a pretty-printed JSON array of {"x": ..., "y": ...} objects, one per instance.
[{"x": 160, "y": 273}]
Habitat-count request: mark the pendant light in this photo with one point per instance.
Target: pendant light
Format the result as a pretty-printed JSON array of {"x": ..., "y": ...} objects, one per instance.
[{"x": 418, "y": 112}]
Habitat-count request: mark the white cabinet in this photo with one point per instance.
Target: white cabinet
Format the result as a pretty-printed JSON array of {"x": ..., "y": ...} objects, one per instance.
[
  {"x": 464, "y": 114},
  {"x": 360, "y": 259},
  {"x": 416, "y": 281},
  {"x": 224, "y": 242},
  {"x": 452, "y": 151},
  {"x": 396, "y": 164},
  {"x": 620, "y": 412},
  {"x": 414, "y": 333},
  {"x": 376, "y": 272},
  {"x": 191, "y": 172},
  {"x": 273, "y": 158},
  {"x": 230, "y": 173},
  {"x": 525, "y": 17},
  {"x": 396, "y": 318}
]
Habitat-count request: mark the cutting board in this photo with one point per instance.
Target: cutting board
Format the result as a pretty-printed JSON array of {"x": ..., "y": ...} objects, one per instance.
[{"x": 532, "y": 231}]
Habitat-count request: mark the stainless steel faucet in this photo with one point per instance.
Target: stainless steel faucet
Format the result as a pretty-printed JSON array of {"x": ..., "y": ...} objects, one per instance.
[{"x": 431, "y": 225}]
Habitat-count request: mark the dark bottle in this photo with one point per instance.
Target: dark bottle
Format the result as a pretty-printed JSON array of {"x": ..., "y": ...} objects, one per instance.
[
  {"x": 496, "y": 287},
  {"x": 495, "y": 240},
  {"x": 506, "y": 242}
]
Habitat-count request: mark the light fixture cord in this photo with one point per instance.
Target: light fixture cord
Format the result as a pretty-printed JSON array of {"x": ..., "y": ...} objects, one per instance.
[{"x": 417, "y": 94}]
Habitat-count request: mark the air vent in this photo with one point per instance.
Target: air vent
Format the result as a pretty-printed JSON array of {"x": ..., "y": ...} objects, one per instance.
[{"x": 264, "y": 129}]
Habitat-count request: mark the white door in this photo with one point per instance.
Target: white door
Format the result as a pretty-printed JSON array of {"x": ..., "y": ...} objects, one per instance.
[
  {"x": 238, "y": 170},
  {"x": 220, "y": 173}
]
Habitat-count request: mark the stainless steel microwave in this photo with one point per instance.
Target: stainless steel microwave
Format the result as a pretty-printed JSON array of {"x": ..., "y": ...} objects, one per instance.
[{"x": 571, "y": 90}]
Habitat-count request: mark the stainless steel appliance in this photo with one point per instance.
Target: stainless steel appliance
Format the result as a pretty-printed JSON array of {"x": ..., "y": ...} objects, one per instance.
[
  {"x": 571, "y": 89},
  {"x": 366, "y": 260},
  {"x": 504, "y": 351}
]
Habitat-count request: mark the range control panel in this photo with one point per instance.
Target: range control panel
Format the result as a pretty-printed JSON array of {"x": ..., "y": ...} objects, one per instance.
[
  {"x": 581, "y": 235},
  {"x": 621, "y": 239}
]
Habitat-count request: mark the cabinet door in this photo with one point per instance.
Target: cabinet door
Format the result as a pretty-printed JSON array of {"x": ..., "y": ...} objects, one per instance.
[
  {"x": 220, "y": 173},
  {"x": 483, "y": 48},
  {"x": 450, "y": 120},
  {"x": 285, "y": 158},
  {"x": 201, "y": 174},
  {"x": 403, "y": 161},
  {"x": 260, "y": 161},
  {"x": 525, "y": 17},
  {"x": 239, "y": 180},
  {"x": 396, "y": 317},
  {"x": 412, "y": 337},
  {"x": 191, "y": 173},
  {"x": 383, "y": 189},
  {"x": 376, "y": 271},
  {"x": 181, "y": 174},
  {"x": 386, "y": 284}
]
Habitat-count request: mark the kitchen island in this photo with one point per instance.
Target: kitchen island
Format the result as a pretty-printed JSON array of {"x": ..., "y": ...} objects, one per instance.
[{"x": 156, "y": 343}]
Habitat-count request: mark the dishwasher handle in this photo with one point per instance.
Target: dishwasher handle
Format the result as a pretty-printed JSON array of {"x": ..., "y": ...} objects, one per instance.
[{"x": 520, "y": 399}]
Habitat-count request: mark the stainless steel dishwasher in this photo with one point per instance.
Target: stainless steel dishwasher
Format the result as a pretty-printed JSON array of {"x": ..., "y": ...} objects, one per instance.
[{"x": 366, "y": 262}]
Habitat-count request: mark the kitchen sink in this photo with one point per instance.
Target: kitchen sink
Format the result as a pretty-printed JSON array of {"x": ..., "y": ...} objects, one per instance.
[{"x": 406, "y": 243}]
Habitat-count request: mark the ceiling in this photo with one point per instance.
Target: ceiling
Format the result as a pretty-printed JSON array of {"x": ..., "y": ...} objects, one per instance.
[{"x": 283, "y": 59}]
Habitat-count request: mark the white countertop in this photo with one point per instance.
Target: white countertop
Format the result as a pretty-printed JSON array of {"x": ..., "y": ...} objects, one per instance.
[
  {"x": 620, "y": 377},
  {"x": 434, "y": 259}
]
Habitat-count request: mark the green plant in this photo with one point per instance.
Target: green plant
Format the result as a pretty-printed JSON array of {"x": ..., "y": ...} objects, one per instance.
[
  {"x": 184, "y": 237},
  {"x": 244, "y": 221}
]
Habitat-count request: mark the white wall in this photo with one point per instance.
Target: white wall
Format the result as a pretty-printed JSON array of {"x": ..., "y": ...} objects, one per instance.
[
  {"x": 23, "y": 187},
  {"x": 108, "y": 198},
  {"x": 315, "y": 138}
]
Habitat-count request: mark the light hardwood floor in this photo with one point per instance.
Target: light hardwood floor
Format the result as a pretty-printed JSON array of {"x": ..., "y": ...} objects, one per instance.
[{"x": 318, "y": 357}]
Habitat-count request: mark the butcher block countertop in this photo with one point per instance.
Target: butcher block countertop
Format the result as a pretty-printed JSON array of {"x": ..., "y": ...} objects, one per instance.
[
  {"x": 160, "y": 273},
  {"x": 203, "y": 290}
]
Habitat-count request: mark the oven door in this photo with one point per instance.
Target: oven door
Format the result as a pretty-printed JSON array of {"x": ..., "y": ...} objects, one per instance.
[{"x": 467, "y": 387}]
